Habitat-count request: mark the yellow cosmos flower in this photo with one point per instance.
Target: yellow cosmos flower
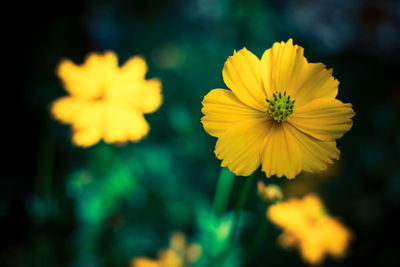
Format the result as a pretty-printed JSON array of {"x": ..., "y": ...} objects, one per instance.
[
  {"x": 281, "y": 112},
  {"x": 307, "y": 225},
  {"x": 106, "y": 101},
  {"x": 179, "y": 254}
]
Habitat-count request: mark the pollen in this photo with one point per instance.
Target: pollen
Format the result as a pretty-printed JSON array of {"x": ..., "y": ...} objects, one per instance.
[{"x": 280, "y": 106}]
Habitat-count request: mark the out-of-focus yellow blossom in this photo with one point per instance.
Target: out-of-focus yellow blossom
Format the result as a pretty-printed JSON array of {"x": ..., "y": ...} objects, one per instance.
[
  {"x": 307, "y": 225},
  {"x": 178, "y": 241},
  {"x": 280, "y": 112},
  {"x": 271, "y": 192},
  {"x": 179, "y": 254},
  {"x": 144, "y": 262},
  {"x": 106, "y": 101}
]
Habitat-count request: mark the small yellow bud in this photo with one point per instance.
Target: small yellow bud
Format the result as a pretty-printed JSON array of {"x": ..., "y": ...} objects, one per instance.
[{"x": 269, "y": 192}]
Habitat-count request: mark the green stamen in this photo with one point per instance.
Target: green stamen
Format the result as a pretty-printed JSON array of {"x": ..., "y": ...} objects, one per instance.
[{"x": 279, "y": 106}]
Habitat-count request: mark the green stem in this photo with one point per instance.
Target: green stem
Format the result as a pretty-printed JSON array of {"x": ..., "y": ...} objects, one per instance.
[
  {"x": 223, "y": 191},
  {"x": 241, "y": 202},
  {"x": 244, "y": 194}
]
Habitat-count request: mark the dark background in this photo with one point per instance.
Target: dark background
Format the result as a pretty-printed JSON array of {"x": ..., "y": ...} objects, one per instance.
[{"x": 57, "y": 207}]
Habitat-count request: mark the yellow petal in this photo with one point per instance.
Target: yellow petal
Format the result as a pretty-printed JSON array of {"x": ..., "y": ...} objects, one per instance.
[
  {"x": 289, "y": 216},
  {"x": 222, "y": 109},
  {"x": 241, "y": 74},
  {"x": 109, "y": 61},
  {"x": 144, "y": 262},
  {"x": 284, "y": 68},
  {"x": 278, "y": 64},
  {"x": 312, "y": 251},
  {"x": 66, "y": 109},
  {"x": 89, "y": 80},
  {"x": 87, "y": 136},
  {"x": 141, "y": 95},
  {"x": 134, "y": 68},
  {"x": 239, "y": 147},
  {"x": 131, "y": 88},
  {"x": 281, "y": 154},
  {"x": 338, "y": 237},
  {"x": 316, "y": 154},
  {"x": 326, "y": 119},
  {"x": 146, "y": 97},
  {"x": 317, "y": 82},
  {"x": 151, "y": 96},
  {"x": 88, "y": 126},
  {"x": 122, "y": 124}
]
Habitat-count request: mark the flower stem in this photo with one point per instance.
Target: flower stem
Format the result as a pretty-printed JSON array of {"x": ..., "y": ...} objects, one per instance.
[
  {"x": 223, "y": 191},
  {"x": 241, "y": 202},
  {"x": 220, "y": 203},
  {"x": 244, "y": 194}
]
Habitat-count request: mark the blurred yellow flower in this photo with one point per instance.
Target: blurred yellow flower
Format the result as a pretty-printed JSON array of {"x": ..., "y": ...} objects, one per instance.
[
  {"x": 281, "y": 112},
  {"x": 271, "y": 192},
  {"x": 179, "y": 254},
  {"x": 106, "y": 101},
  {"x": 307, "y": 225},
  {"x": 144, "y": 262}
]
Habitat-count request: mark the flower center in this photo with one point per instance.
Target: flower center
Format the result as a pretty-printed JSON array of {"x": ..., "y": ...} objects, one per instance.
[
  {"x": 279, "y": 106},
  {"x": 98, "y": 99}
]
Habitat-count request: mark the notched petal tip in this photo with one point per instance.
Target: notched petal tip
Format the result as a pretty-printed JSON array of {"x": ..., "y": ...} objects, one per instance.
[
  {"x": 351, "y": 111},
  {"x": 290, "y": 177},
  {"x": 110, "y": 57},
  {"x": 138, "y": 59},
  {"x": 91, "y": 57},
  {"x": 110, "y": 53}
]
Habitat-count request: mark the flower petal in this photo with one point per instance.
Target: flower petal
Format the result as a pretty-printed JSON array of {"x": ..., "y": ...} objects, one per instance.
[
  {"x": 88, "y": 126},
  {"x": 86, "y": 137},
  {"x": 150, "y": 96},
  {"x": 131, "y": 88},
  {"x": 312, "y": 249},
  {"x": 284, "y": 68},
  {"x": 66, "y": 109},
  {"x": 281, "y": 154},
  {"x": 88, "y": 80},
  {"x": 144, "y": 262},
  {"x": 123, "y": 124},
  {"x": 326, "y": 119},
  {"x": 239, "y": 147},
  {"x": 221, "y": 109},
  {"x": 141, "y": 95},
  {"x": 315, "y": 81},
  {"x": 277, "y": 65},
  {"x": 339, "y": 237},
  {"x": 316, "y": 154},
  {"x": 134, "y": 67},
  {"x": 241, "y": 74}
]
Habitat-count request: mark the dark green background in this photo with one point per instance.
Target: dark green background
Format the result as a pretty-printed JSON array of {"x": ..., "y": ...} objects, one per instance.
[{"x": 65, "y": 206}]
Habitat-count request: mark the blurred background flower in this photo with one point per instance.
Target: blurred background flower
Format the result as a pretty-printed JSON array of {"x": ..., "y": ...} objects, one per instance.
[
  {"x": 307, "y": 225},
  {"x": 179, "y": 254},
  {"x": 106, "y": 102},
  {"x": 270, "y": 192},
  {"x": 61, "y": 205}
]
